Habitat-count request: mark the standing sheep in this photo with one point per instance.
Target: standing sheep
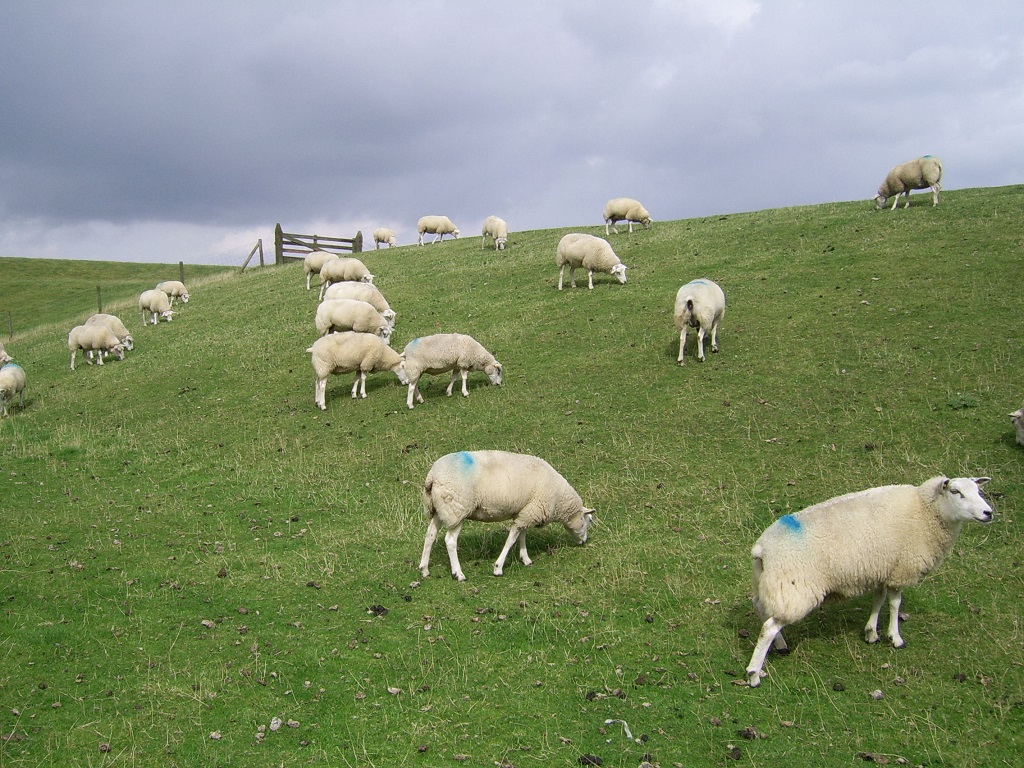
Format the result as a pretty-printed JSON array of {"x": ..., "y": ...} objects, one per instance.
[
  {"x": 12, "y": 382},
  {"x": 174, "y": 288},
  {"x": 362, "y": 292},
  {"x": 497, "y": 229},
  {"x": 593, "y": 253},
  {"x": 113, "y": 322},
  {"x": 443, "y": 352},
  {"x": 700, "y": 304},
  {"x": 384, "y": 235},
  {"x": 922, "y": 173},
  {"x": 341, "y": 270},
  {"x": 351, "y": 315},
  {"x": 4, "y": 357},
  {"x": 881, "y": 540},
  {"x": 1017, "y": 419},
  {"x": 350, "y": 351},
  {"x": 314, "y": 262},
  {"x": 439, "y": 225},
  {"x": 491, "y": 486},
  {"x": 157, "y": 303},
  {"x": 625, "y": 209},
  {"x": 93, "y": 338}
]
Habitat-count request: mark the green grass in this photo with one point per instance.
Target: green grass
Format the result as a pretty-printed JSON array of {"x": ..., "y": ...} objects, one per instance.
[{"x": 196, "y": 482}]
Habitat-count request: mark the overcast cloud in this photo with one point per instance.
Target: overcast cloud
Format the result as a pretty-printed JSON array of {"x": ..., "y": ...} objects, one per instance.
[{"x": 167, "y": 131}]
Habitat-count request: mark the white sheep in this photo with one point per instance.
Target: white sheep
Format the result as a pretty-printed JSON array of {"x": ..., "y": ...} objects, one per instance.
[
  {"x": 1017, "y": 419},
  {"x": 593, "y": 253},
  {"x": 350, "y": 351},
  {"x": 497, "y": 229},
  {"x": 384, "y": 235},
  {"x": 93, "y": 338},
  {"x": 351, "y": 315},
  {"x": 492, "y": 486},
  {"x": 922, "y": 173},
  {"x": 443, "y": 352},
  {"x": 4, "y": 357},
  {"x": 157, "y": 303},
  {"x": 339, "y": 270},
  {"x": 314, "y": 262},
  {"x": 174, "y": 289},
  {"x": 12, "y": 382},
  {"x": 625, "y": 209},
  {"x": 700, "y": 304},
  {"x": 439, "y": 225},
  {"x": 113, "y": 322},
  {"x": 362, "y": 292},
  {"x": 881, "y": 540}
]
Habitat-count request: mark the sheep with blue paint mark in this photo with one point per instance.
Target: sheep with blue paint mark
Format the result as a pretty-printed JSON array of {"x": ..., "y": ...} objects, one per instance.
[
  {"x": 881, "y": 540},
  {"x": 700, "y": 304},
  {"x": 12, "y": 382},
  {"x": 492, "y": 486}
]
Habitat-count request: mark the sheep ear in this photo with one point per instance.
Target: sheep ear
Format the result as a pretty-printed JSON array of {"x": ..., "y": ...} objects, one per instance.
[
  {"x": 981, "y": 480},
  {"x": 945, "y": 483}
]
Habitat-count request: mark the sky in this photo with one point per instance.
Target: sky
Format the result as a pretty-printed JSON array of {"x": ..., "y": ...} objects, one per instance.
[{"x": 186, "y": 130}]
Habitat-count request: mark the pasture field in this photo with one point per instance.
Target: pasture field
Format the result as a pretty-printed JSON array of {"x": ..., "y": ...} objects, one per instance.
[{"x": 198, "y": 567}]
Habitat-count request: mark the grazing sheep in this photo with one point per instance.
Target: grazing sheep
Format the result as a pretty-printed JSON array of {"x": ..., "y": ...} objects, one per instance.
[
  {"x": 113, "y": 322},
  {"x": 491, "y": 486},
  {"x": 1017, "y": 419},
  {"x": 593, "y": 253},
  {"x": 174, "y": 288},
  {"x": 351, "y": 315},
  {"x": 439, "y": 225},
  {"x": 314, "y": 262},
  {"x": 12, "y": 382},
  {"x": 882, "y": 540},
  {"x": 362, "y": 292},
  {"x": 443, "y": 352},
  {"x": 384, "y": 235},
  {"x": 700, "y": 304},
  {"x": 4, "y": 357},
  {"x": 497, "y": 229},
  {"x": 350, "y": 351},
  {"x": 341, "y": 270},
  {"x": 157, "y": 303},
  {"x": 95, "y": 338},
  {"x": 625, "y": 209},
  {"x": 922, "y": 173}
]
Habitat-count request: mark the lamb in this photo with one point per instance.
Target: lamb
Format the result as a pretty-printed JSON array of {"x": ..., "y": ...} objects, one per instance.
[
  {"x": 343, "y": 270},
  {"x": 443, "y": 352},
  {"x": 497, "y": 229},
  {"x": 384, "y": 235},
  {"x": 625, "y": 209},
  {"x": 174, "y": 289},
  {"x": 12, "y": 382},
  {"x": 314, "y": 262},
  {"x": 93, "y": 338},
  {"x": 439, "y": 225},
  {"x": 922, "y": 173},
  {"x": 491, "y": 486},
  {"x": 157, "y": 303},
  {"x": 882, "y": 540},
  {"x": 1017, "y": 418},
  {"x": 700, "y": 304},
  {"x": 362, "y": 292},
  {"x": 351, "y": 315},
  {"x": 4, "y": 357},
  {"x": 116, "y": 327},
  {"x": 350, "y": 351},
  {"x": 593, "y": 253}
]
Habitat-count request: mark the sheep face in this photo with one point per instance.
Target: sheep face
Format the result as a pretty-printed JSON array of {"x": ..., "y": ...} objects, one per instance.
[
  {"x": 880, "y": 202},
  {"x": 579, "y": 526},
  {"x": 619, "y": 272},
  {"x": 961, "y": 500},
  {"x": 400, "y": 372},
  {"x": 1017, "y": 418},
  {"x": 117, "y": 350},
  {"x": 494, "y": 373},
  {"x": 129, "y": 342}
]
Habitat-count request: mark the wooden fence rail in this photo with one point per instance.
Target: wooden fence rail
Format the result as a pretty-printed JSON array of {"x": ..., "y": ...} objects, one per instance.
[{"x": 286, "y": 243}]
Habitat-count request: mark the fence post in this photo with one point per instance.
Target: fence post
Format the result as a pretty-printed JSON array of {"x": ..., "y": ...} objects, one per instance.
[
  {"x": 278, "y": 245},
  {"x": 181, "y": 271},
  {"x": 259, "y": 243},
  {"x": 357, "y": 242},
  {"x": 99, "y": 299},
  {"x": 10, "y": 326}
]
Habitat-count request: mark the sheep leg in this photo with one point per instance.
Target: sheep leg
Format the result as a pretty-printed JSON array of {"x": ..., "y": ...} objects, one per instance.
[
  {"x": 320, "y": 394},
  {"x": 895, "y": 598},
  {"x": 73, "y": 359},
  {"x": 413, "y": 393},
  {"x": 451, "y": 542},
  {"x": 590, "y": 279},
  {"x": 714, "y": 336},
  {"x": 631, "y": 227},
  {"x": 682, "y": 345},
  {"x": 561, "y": 274},
  {"x": 465, "y": 375},
  {"x": 769, "y": 630},
  {"x": 98, "y": 356},
  {"x": 935, "y": 194},
  {"x": 451, "y": 384},
  {"x": 700, "y": 344},
  {"x": 428, "y": 545},
  {"x": 871, "y": 628},
  {"x": 514, "y": 535}
]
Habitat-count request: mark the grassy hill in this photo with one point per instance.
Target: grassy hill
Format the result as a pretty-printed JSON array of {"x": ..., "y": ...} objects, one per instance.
[{"x": 192, "y": 549}]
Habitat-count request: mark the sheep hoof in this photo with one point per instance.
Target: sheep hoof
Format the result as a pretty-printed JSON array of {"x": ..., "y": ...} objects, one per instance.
[
  {"x": 897, "y": 642},
  {"x": 871, "y": 635},
  {"x": 753, "y": 678},
  {"x": 459, "y": 576}
]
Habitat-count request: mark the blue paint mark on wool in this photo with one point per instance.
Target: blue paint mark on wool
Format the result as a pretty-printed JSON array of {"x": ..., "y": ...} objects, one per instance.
[
  {"x": 465, "y": 459},
  {"x": 11, "y": 365},
  {"x": 790, "y": 522}
]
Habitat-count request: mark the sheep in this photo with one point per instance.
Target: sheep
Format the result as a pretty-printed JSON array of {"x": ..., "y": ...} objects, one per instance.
[
  {"x": 593, "y": 253},
  {"x": 882, "y": 540},
  {"x": 350, "y": 351},
  {"x": 313, "y": 263},
  {"x": 351, "y": 315},
  {"x": 700, "y": 304},
  {"x": 491, "y": 486},
  {"x": 439, "y": 225},
  {"x": 384, "y": 235},
  {"x": 343, "y": 270},
  {"x": 442, "y": 352},
  {"x": 157, "y": 303},
  {"x": 497, "y": 229},
  {"x": 96, "y": 338},
  {"x": 116, "y": 327},
  {"x": 12, "y": 382},
  {"x": 362, "y": 292},
  {"x": 4, "y": 357},
  {"x": 922, "y": 173},
  {"x": 1017, "y": 419},
  {"x": 625, "y": 209},
  {"x": 174, "y": 288}
]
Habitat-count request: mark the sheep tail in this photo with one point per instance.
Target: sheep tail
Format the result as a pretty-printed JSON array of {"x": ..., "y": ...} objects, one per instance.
[{"x": 428, "y": 498}]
